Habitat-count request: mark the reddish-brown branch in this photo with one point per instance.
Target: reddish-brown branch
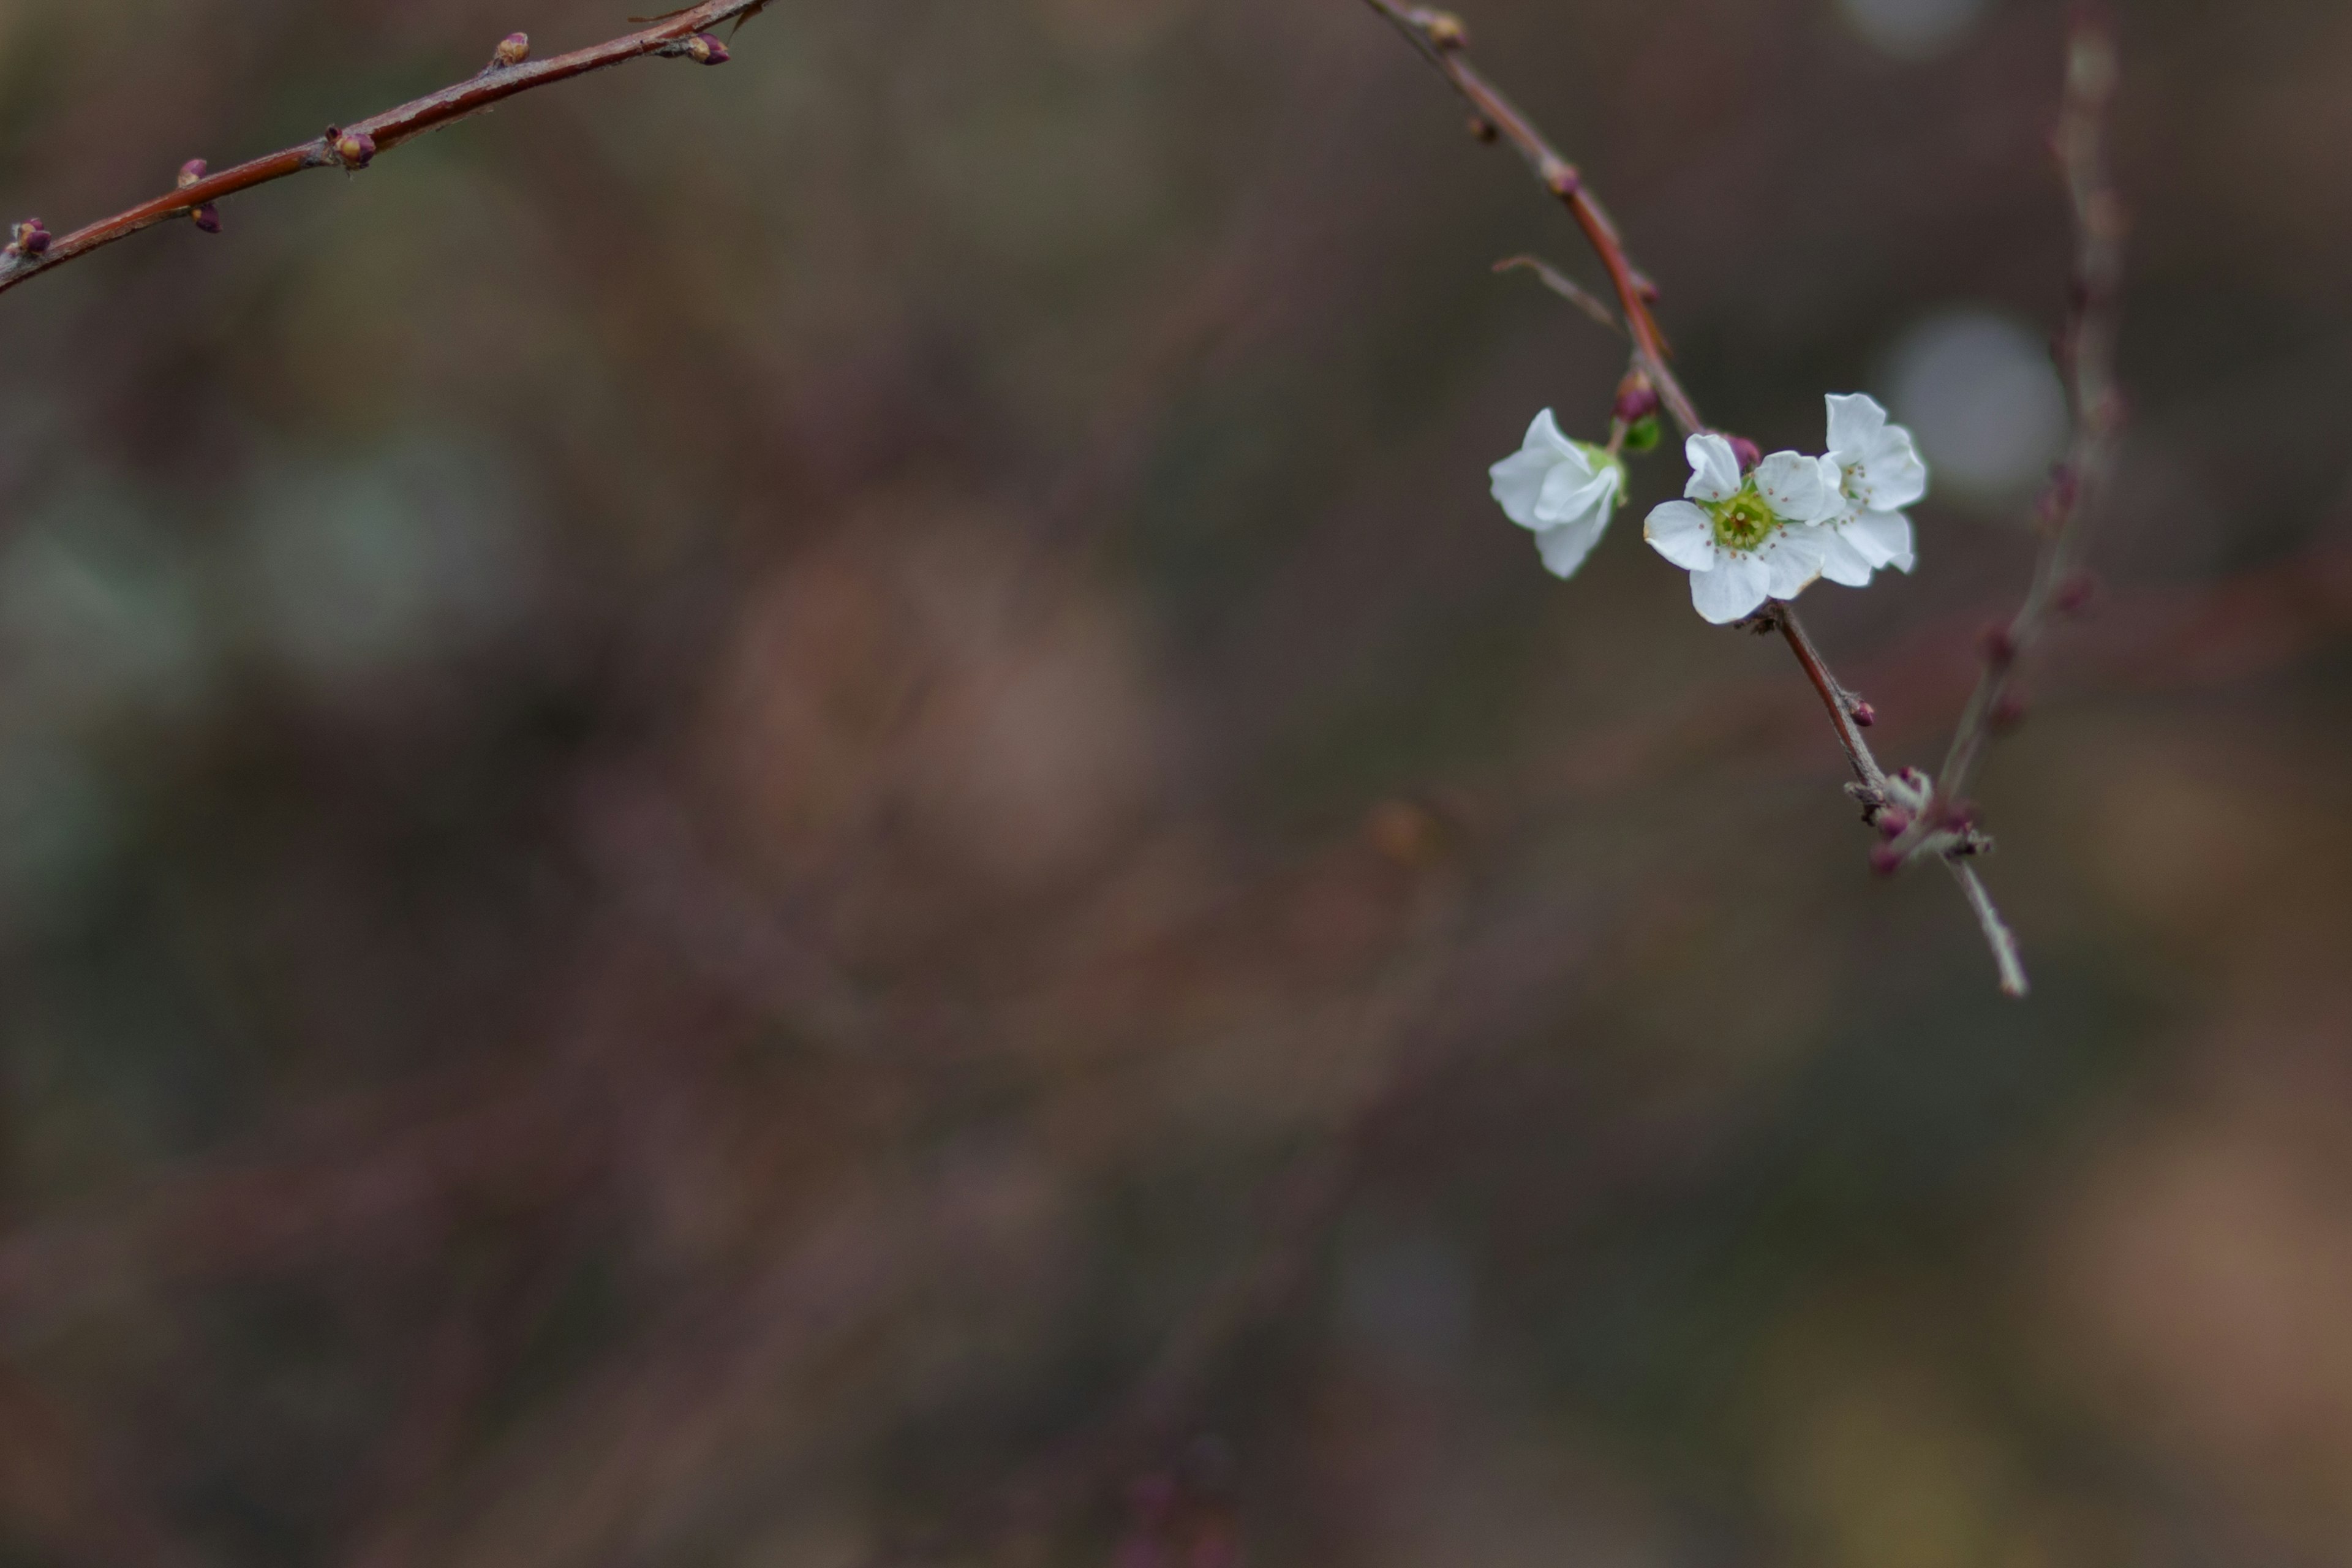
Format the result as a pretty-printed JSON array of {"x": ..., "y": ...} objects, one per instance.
[
  {"x": 680, "y": 34},
  {"x": 1441, "y": 39}
]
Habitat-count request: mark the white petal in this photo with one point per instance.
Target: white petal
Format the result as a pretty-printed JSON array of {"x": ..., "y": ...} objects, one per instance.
[
  {"x": 1564, "y": 548},
  {"x": 1572, "y": 491},
  {"x": 1735, "y": 590},
  {"x": 1792, "y": 486},
  {"x": 1518, "y": 482},
  {"x": 1544, "y": 436},
  {"x": 1893, "y": 476},
  {"x": 1855, "y": 420},
  {"x": 1683, "y": 534},
  {"x": 1843, "y": 565},
  {"x": 1715, "y": 468},
  {"x": 1883, "y": 538},
  {"x": 1792, "y": 560}
]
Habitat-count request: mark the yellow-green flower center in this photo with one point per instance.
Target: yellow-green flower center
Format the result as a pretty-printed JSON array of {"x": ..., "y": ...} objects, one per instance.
[{"x": 1743, "y": 522}]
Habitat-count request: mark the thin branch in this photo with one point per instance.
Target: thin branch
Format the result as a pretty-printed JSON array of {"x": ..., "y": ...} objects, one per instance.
[
  {"x": 2087, "y": 354},
  {"x": 682, "y": 34},
  {"x": 1894, "y": 804},
  {"x": 1442, "y": 41},
  {"x": 1566, "y": 288}
]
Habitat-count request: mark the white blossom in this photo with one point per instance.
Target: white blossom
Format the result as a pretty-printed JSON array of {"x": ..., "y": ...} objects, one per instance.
[
  {"x": 1564, "y": 491},
  {"x": 1879, "y": 472},
  {"x": 1745, "y": 540}
]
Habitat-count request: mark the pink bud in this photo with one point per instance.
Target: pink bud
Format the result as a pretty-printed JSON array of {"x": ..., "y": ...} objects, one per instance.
[
  {"x": 705, "y": 50},
  {"x": 1865, "y": 715},
  {"x": 355, "y": 148},
  {"x": 1894, "y": 822},
  {"x": 1886, "y": 860},
  {"x": 513, "y": 50},
  {"x": 192, "y": 170}
]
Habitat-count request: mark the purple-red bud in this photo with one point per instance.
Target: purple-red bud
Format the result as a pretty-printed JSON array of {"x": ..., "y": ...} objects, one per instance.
[
  {"x": 1562, "y": 180},
  {"x": 1998, "y": 645},
  {"x": 513, "y": 50},
  {"x": 1636, "y": 401},
  {"x": 1886, "y": 859},
  {"x": 207, "y": 218},
  {"x": 1748, "y": 453},
  {"x": 1865, "y": 715},
  {"x": 31, "y": 238},
  {"x": 2077, "y": 593},
  {"x": 705, "y": 50},
  {"x": 192, "y": 170},
  {"x": 355, "y": 148},
  {"x": 1894, "y": 822}
]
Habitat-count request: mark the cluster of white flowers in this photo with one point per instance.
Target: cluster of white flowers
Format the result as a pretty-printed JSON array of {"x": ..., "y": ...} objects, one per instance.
[{"x": 1745, "y": 538}]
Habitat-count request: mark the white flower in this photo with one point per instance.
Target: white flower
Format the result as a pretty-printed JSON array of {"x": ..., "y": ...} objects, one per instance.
[
  {"x": 1565, "y": 491},
  {"x": 1878, "y": 474},
  {"x": 1745, "y": 540}
]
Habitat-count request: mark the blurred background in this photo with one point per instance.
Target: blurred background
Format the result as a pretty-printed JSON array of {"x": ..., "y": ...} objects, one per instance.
[{"x": 809, "y": 814}]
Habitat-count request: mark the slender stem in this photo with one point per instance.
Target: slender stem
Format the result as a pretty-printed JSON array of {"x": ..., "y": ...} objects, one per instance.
[
  {"x": 1440, "y": 39},
  {"x": 1843, "y": 704},
  {"x": 2087, "y": 353},
  {"x": 671, "y": 35}
]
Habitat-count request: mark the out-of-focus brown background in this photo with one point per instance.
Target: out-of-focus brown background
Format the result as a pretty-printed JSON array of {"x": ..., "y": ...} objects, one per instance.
[{"x": 809, "y": 815}]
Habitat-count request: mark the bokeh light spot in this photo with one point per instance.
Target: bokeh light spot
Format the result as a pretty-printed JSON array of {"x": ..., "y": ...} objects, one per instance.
[
  {"x": 1980, "y": 391},
  {"x": 1912, "y": 29}
]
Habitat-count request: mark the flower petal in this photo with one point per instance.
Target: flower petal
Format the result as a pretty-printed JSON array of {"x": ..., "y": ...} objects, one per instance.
[
  {"x": 1893, "y": 475},
  {"x": 1682, "y": 533},
  {"x": 1715, "y": 468},
  {"x": 1735, "y": 590},
  {"x": 1572, "y": 491},
  {"x": 1564, "y": 548},
  {"x": 1793, "y": 486},
  {"x": 1792, "y": 560},
  {"x": 1883, "y": 539},
  {"x": 1843, "y": 565},
  {"x": 1855, "y": 420}
]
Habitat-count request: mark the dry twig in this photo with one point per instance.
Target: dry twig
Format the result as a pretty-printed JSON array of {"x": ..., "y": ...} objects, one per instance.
[{"x": 684, "y": 35}]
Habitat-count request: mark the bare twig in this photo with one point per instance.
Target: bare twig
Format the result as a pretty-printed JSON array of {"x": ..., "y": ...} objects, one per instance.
[
  {"x": 682, "y": 34},
  {"x": 2088, "y": 355},
  {"x": 1566, "y": 288},
  {"x": 1893, "y": 804}
]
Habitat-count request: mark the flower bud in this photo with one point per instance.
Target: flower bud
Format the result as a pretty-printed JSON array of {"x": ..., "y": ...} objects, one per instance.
[
  {"x": 355, "y": 148},
  {"x": 1748, "y": 453},
  {"x": 705, "y": 50},
  {"x": 1483, "y": 129},
  {"x": 1636, "y": 400},
  {"x": 207, "y": 218},
  {"x": 1444, "y": 29},
  {"x": 1886, "y": 860},
  {"x": 1865, "y": 715},
  {"x": 192, "y": 170},
  {"x": 1894, "y": 822},
  {"x": 1644, "y": 435},
  {"x": 513, "y": 50},
  {"x": 30, "y": 238}
]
